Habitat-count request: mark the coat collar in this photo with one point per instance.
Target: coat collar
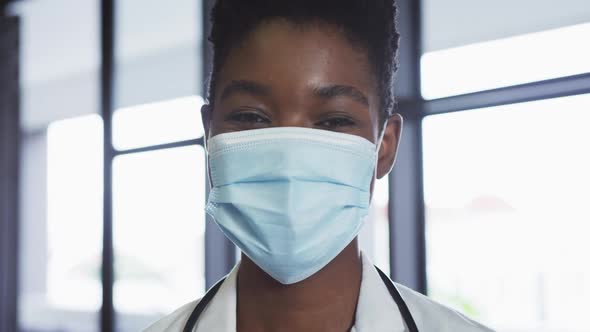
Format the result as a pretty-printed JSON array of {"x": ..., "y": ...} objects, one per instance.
[{"x": 376, "y": 310}]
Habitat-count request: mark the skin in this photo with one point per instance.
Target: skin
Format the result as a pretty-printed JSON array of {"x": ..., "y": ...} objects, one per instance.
[{"x": 287, "y": 75}]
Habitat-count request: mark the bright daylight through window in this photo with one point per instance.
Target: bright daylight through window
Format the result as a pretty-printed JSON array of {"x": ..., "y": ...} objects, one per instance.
[
  {"x": 505, "y": 62},
  {"x": 506, "y": 192}
]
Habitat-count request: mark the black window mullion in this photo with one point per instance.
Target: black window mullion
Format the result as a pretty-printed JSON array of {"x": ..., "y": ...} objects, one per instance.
[
  {"x": 179, "y": 144},
  {"x": 107, "y": 314},
  {"x": 9, "y": 169},
  {"x": 406, "y": 199},
  {"x": 553, "y": 88},
  {"x": 406, "y": 204}
]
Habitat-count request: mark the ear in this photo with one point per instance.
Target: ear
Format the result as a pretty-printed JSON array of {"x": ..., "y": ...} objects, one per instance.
[
  {"x": 392, "y": 130},
  {"x": 206, "y": 119}
]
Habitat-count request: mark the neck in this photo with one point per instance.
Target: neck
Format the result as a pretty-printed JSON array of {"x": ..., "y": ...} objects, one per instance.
[{"x": 323, "y": 302}]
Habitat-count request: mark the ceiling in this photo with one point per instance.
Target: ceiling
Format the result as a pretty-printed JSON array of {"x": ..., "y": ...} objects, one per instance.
[
  {"x": 60, "y": 54},
  {"x": 451, "y": 23},
  {"x": 61, "y": 38}
]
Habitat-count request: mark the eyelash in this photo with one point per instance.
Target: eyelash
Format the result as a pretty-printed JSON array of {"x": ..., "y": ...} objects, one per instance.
[
  {"x": 255, "y": 118},
  {"x": 248, "y": 117},
  {"x": 336, "y": 122}
]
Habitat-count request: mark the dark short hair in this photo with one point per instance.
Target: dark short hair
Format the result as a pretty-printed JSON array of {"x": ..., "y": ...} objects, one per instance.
[{"x": 368, "y": 24}]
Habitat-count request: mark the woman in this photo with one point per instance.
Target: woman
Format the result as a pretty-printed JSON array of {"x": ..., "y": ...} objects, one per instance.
[{"x": 299, "y": 125}]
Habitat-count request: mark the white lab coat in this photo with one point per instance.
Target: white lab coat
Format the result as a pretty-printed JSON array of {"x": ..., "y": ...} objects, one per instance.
[{"x": 376, "y": 310}]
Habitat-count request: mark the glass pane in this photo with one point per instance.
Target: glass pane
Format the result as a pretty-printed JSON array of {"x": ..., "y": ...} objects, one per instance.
[
  {"x": 502, "y": 48},
  {"x": 158, "y": 123},
  {"x": 158, "y": 59},
  {"x": 159, "y": 224},
  {"x": 506, "y": 192},
  {"x": 60, "y": 60},
  {"x": 60, "y": 287},
  {"x": 158, "y": 50},
  {"x": 61, "y": 167},
  {"x": 374, "y": 236}
]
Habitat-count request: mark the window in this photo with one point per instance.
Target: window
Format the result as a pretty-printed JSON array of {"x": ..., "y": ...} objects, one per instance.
[
  {"x": 62, "y": 244},
  {"x": 157, "y": 51},
  {"x": 158, "y": 187},
  {"x": 380, "y": 206},
  {"x": 159, "y": 222},
  {"x": 61, "y": 166},
  {"x": 159, "y": 225},
  {"x": 491, "y": 64},
  {"x": 158, "y": 123},
  {"x": 157, "y": 79},
  {"x": 506, "y": 193},
  {"x": 472, "y": 46},
  {"x": 504, "y": 185},
  {"x": 374, "y": 236}
]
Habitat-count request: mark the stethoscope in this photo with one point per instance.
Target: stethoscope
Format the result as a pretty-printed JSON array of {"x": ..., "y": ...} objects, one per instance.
[{"x": 403, "y": 308}]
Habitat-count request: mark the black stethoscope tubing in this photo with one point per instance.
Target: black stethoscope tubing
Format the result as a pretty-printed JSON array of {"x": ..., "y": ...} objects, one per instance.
[{"x": 401, "y": 304}]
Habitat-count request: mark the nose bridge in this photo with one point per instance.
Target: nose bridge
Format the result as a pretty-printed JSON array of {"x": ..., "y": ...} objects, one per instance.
[{"x": 294, "y": 115}]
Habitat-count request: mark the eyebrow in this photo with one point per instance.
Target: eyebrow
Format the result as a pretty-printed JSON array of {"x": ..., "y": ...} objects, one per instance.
[
  {"x": 334, "y": 91},
  {"x": 244, "y": 86}
]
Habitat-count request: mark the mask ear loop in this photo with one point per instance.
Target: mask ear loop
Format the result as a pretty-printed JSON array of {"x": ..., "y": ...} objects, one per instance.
[
  {"x": 206, "y": 116},
  {"x": 378, "y": 145}
]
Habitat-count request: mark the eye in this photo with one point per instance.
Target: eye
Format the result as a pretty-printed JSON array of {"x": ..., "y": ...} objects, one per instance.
[
  {"x": 336, "y": 122},
  {"x": 248, "y": 117}
]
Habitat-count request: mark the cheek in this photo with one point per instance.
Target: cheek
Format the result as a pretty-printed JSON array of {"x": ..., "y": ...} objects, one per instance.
[
  {"x": 213, "y": 129},
  {"x": 216, "y": 124}
]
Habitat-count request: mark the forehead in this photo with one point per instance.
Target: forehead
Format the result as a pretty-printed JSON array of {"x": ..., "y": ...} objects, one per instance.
[{"x": 284, "y": 54}]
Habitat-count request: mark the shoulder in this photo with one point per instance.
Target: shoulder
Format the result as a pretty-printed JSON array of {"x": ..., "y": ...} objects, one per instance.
[
  {"x": 433, "y": 316},
  {"x": 174, "y": 321}
]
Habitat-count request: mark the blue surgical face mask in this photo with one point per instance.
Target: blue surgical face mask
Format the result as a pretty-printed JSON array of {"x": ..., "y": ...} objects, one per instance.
[{"x": 290, "y": 198}]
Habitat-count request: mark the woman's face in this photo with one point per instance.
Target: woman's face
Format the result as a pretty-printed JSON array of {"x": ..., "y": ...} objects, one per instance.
[{"x": 286, "y": 75}]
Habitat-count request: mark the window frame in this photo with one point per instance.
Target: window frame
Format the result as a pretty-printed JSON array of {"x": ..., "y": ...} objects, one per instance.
[
  {"x": 9, "y": 168},
  {"x": 219, "y": 252},
  {"x": 407, "y": 207}
]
